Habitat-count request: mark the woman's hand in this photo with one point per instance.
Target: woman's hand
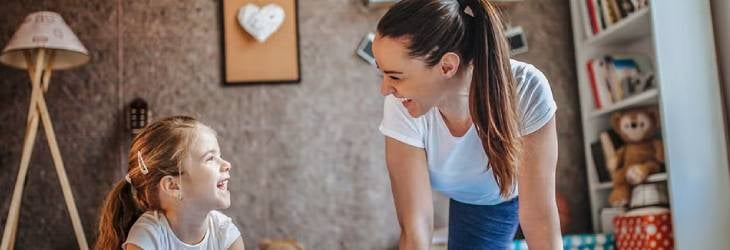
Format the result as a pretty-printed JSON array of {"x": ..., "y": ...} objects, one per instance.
[
  {"x": 409, "y": 181},
  {"x": 536, "y": 178}
]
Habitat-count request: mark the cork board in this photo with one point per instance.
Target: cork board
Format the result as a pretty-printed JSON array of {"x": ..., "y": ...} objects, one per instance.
[{"x": 246, "y": 60}]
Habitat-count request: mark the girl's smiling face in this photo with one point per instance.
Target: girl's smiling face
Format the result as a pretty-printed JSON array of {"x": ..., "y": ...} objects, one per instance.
[{"x": 205, "y": 182}]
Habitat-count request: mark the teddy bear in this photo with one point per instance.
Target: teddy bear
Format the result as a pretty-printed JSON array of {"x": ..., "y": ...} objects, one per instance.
[
  {"x": 641, "y": 154},
  {"x": 269, "y": 244}
]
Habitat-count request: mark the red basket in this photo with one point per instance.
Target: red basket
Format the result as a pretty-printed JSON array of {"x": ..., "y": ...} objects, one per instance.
[{"x": 646, "y": 231}]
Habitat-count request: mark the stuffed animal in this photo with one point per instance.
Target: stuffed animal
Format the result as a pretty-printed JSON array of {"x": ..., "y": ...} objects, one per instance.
[
  {"x": 267, "y": 244},
  {"x": 641, "y": 154}
]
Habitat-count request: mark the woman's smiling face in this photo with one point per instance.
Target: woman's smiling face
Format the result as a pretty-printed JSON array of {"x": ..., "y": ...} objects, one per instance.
[{"x": 418, "y": 86}]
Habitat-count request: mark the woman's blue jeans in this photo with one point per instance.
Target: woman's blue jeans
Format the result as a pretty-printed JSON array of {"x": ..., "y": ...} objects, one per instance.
[{"x": 482, "y": 226}]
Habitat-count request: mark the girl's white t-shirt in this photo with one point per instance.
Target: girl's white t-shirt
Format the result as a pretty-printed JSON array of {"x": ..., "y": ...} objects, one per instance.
[
  {"x": 152, "y": 231},
  {"x": 457, "y": 166}
]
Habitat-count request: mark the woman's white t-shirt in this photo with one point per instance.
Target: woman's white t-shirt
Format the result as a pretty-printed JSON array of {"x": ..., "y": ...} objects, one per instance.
[
  {"x": 457, "y": 166},
  {"x": 152, "y": 231}
]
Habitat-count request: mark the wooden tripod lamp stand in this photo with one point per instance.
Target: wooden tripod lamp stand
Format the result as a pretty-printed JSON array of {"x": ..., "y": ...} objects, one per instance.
[{"x": 42, "y": 43}]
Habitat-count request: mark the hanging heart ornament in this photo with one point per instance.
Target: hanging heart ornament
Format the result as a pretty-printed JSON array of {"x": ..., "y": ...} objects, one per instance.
[{"x": 261, "y": 22}]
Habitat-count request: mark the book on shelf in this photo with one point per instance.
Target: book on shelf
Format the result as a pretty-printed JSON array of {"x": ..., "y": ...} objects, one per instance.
[
  {"x": 602, "y": 150},
  {"x": 590, "y": 23},
  {"x": 625, "y": 7},
  {"x": 600, "y": 161},
  {"x": 609, "y": 12},
  {"x": 609, "y": 141},
  {"x": 599, "y": 14},
  {"x": 602, "y": 14},
  {"x": 613, "y": 78},
  {"x": 599, "y": 84},
  {"x": 605, "y": 14}
]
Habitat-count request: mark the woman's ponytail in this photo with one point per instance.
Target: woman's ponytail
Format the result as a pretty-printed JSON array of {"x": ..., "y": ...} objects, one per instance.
[{"x": 492, "y": 95}]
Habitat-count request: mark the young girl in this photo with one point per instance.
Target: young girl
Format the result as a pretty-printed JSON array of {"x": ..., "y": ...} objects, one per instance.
[{"x": 175, "y": 181}]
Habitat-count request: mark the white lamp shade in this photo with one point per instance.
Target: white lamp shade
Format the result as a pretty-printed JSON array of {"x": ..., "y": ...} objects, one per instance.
[{"x": 45, "y": 29}]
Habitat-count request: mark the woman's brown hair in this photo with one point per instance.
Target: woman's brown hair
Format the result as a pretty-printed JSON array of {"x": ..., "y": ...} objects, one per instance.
[
  {"x": 159, "y": 148},
  {"x": 473, "y": 30}
]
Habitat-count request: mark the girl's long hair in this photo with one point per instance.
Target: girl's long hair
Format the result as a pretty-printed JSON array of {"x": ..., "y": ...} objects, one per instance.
[{"x": 160, "y": 148}]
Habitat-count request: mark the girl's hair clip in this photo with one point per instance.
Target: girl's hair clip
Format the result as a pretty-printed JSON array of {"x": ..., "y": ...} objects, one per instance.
[{"x": 142, "y": 166}]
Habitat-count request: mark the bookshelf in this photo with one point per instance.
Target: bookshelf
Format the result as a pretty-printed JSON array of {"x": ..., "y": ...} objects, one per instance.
[
  {"x": 652, "y": 178},
  {"x": 633, "y": 26},
  {"x": 644, "y": 98},
  {"x": 677, "y": 37}
]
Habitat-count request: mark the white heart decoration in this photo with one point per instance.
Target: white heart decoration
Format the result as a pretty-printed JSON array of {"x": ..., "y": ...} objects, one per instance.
[{"x": 261, "y": 22}]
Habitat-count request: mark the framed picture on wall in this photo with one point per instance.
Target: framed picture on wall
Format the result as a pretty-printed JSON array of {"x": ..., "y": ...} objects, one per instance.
[
  {"x": 365, "y": 49},
  {"x": 259, "y": 41}
]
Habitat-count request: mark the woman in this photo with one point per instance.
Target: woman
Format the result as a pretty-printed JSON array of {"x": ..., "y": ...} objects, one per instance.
[{"x": 462, "y": 117}]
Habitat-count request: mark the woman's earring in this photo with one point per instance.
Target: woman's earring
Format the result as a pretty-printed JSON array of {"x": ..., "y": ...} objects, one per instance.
[{"x": 179, "y": 196}]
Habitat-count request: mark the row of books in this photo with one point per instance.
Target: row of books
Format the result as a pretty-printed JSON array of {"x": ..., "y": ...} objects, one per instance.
[
  {"x": 601, "y": 14},
  {"x": 617, "y": 77},
  {"x": 602, "y": 150}
]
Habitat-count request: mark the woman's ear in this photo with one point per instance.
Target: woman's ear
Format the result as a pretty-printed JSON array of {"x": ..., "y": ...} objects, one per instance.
[
  {"x": 449, "y": 64},
  {"x": 170, "y": 185}
]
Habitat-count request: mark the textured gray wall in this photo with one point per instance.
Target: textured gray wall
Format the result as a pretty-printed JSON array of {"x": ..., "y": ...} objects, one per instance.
[{"x": 308, "y": 159}]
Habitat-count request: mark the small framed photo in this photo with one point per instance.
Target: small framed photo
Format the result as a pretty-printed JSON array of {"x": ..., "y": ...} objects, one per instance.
[
  {"x": 516, "y": 40},
  {"x": 365, "y": 49}
]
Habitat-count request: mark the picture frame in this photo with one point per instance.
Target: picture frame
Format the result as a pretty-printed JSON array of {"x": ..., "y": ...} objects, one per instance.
[
  {"x": 247, "y": 61},
  {"x": 516, "y": 39},
  {"x": 365, "y": 48}
]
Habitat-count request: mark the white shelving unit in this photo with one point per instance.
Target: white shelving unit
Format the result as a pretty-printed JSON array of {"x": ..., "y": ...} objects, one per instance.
[
  {"x": 677, "y": 36},
  {"x": 644, "y": 98},
  {"x": 630, "y": 35},
  {"x": 632, "y": 27}
]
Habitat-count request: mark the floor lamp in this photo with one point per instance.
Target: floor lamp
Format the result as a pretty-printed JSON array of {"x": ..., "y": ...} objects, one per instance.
[{"x": 42, "y": 43}]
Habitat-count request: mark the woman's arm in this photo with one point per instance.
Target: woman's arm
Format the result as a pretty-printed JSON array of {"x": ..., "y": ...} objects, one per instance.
[
  {"x": 412, "y": 193},
  {"x": 536, "y": 178},
  {"x": 237, "y": 245},
  {"x": 132, "y": 247}
]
